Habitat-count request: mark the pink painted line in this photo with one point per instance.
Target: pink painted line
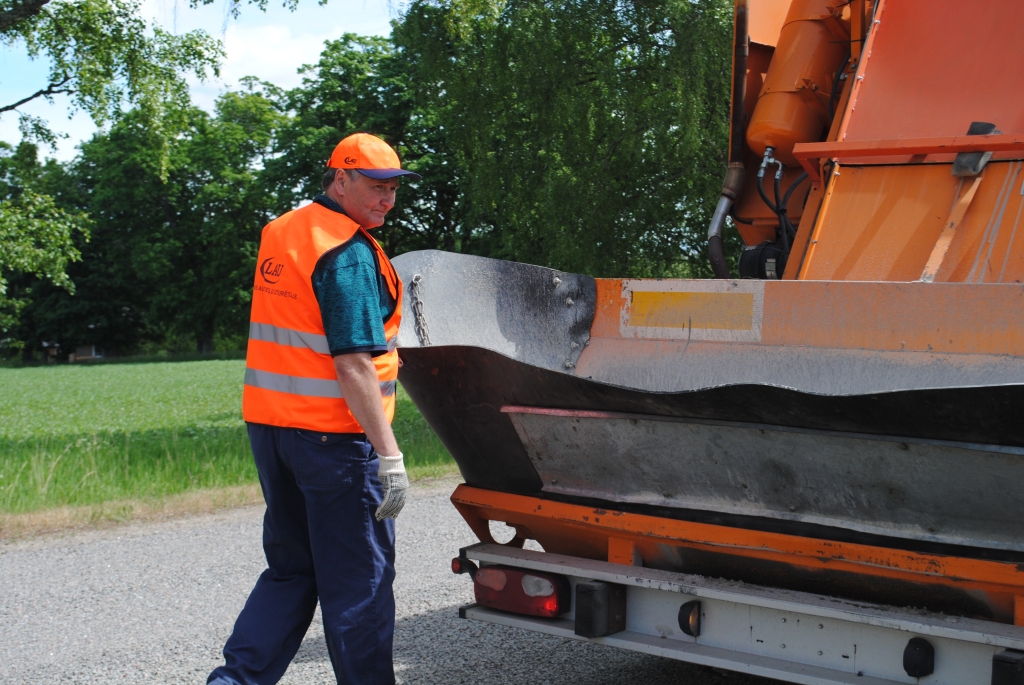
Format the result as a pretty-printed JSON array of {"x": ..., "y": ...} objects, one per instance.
[{"x": 574, "y": 413}]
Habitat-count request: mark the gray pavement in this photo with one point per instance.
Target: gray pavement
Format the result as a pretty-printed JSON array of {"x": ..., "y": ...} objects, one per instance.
[{"x": 154, "y": 602}]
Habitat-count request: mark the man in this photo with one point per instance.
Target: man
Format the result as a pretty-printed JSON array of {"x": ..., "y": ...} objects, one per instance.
[{"x": 318, "y": 399}]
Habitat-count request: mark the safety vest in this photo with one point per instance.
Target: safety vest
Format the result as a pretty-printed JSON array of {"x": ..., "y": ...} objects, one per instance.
[{"x": 290, "y": 379}]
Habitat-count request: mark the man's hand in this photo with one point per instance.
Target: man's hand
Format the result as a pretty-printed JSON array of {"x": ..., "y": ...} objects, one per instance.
[
  {"x": 358, "y": 380},
  {"x": 396, "y": 482}
]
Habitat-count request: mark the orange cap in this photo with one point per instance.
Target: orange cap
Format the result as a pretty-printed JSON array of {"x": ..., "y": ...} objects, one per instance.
[{"x": 369, "y": 155}]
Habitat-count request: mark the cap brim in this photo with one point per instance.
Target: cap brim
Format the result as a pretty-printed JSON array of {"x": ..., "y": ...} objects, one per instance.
[{"x": 384, "y": 174}]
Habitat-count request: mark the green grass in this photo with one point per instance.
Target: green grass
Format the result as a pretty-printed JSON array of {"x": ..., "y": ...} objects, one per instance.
[{"x": 84, "y": 435}]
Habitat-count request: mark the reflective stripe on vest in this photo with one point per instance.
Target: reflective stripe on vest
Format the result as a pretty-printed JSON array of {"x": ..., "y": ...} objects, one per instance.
[
  {"x": 265, "y": 332},
  {"x": 309, "y": 387}
]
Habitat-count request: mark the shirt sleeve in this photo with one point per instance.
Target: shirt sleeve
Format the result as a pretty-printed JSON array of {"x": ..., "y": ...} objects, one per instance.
[{"x": 347, "y": 286}]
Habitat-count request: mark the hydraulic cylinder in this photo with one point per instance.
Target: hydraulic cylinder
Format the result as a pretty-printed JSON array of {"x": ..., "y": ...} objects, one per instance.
[{"x": 793, "y": 106}]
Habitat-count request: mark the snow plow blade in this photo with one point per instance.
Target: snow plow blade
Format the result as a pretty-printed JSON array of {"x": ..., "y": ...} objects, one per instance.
[{"x": 826, "y": 411}]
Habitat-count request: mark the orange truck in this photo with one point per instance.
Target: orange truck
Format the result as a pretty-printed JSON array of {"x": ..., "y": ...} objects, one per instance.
[{"x": 811, "y": 469}]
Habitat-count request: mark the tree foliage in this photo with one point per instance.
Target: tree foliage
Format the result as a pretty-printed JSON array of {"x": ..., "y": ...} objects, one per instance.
[
  {"x": 590, "y": 134},
  {"x": 365, "y": 84},
  {"x": 173, "y": 245},
  {"x": 103, "y": 55},
  {"x": 586, "y": 135},
  {"x": 36, "y": 235}
]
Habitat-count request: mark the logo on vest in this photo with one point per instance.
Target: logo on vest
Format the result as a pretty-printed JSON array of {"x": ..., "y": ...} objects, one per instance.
[{"x": 270, "y": 271}]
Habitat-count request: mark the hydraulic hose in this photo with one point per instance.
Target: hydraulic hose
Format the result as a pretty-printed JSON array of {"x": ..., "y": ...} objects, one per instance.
[
  {"x": 734, "y": 176},
  {"x": 789, "y": 193},
  {"x": 741, "y": 51},
  {"x": 764, "y": 195},
  {"x": 780, "y": 206},
  {"x": 780, "y": 210},
  {"x": 716, "y": 247}
]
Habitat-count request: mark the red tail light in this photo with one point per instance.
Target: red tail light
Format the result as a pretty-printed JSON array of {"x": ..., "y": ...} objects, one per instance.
[
  {"x": 521, "y": 592},
  {"x": 463, "y": 565}
]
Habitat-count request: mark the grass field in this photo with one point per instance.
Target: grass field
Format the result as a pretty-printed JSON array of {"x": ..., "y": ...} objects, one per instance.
[{"x": 85, "y": 435}]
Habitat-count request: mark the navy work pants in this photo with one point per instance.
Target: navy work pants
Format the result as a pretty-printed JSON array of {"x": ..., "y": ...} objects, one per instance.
[{"x": 322, "y": 541}]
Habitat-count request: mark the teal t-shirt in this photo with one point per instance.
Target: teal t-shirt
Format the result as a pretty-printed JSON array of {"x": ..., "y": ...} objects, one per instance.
[{"x": 353, "y": 296}]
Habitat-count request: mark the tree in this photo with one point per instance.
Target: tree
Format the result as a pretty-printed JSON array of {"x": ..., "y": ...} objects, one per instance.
[
  {"x": 231, "y": 206},
  {"x": 586, "y": 135},
  {"x": 365, "y": 84},
  {"x": 104, "y": 57},
  {"x": 36, "y": 235},
  {"x": 590, "y": 135},
  {"x": 174, "y": 242}
]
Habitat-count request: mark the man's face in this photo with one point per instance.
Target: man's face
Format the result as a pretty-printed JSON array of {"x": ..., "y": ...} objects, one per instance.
[{"x": 366, "y": 200}]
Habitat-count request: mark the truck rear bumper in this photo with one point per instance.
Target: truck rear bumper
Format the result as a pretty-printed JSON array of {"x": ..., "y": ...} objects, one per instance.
[{"x": 792, "y": 636}]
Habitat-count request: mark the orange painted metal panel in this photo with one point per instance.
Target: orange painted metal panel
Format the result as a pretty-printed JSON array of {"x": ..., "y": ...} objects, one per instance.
[
  {"x": 923, "y": 317},
  {"x": 584, "y": 531},
  {"x": 858, "y": 10},
  {"x": 934, "y": 66},
  {"x": 621, "y": 551},
  {"x": 932, "y": 149},
  {"x": 607, "y": 311},
  {"x": 758, "y": 59},
  {"x": 757, "y": 233},
  {"x": 765, "y": 20},
  {"x": 881, "y": 224},
  {"x": 949, "y": 230},
  {"x": 1012, "y": 142},
  {"x": 988, "y": 246},
  {"x": 802, "y": 240}
]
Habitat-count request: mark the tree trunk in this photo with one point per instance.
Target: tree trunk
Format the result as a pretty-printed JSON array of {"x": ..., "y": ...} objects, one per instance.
[{"x": 204, "y": 344}]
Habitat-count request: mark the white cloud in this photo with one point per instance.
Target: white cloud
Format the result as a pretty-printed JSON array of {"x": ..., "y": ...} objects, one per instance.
[{"x": 274, "y": 53}]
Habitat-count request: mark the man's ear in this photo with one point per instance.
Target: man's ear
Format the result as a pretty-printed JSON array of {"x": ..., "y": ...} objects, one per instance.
[{"x": 340, "y": 178}]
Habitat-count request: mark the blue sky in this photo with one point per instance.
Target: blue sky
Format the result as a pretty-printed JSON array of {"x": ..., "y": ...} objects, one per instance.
[{"x": 271, "y": 46}]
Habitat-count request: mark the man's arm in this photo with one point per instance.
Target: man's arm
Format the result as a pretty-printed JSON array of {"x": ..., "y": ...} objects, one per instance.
[
  {"x": 358, "y": 380},
  {"x": 357, "y": 377}
]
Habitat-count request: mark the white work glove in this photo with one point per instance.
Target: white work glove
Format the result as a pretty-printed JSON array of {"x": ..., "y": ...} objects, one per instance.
[{"x": 395, "y": 481}]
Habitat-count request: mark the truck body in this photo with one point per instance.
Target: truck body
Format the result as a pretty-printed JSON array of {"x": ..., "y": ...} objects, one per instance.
[{"x": 807, "y": 470}]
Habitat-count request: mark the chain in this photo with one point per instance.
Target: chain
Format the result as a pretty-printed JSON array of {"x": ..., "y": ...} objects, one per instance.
[{"x": 417, "y": 311}]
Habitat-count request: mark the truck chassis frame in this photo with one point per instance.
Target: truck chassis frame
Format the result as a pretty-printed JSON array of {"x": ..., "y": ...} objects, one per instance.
[{"x": 793, "y": 636}]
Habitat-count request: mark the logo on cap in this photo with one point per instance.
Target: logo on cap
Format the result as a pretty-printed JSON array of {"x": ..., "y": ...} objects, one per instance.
[{"x": 351, "y": 160}]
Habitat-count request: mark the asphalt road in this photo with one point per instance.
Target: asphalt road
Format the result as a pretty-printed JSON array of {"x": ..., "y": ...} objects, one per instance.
[{"x": 154, "y": 602}]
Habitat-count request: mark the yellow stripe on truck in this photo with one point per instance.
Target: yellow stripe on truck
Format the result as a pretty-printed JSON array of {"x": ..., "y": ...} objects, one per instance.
[{"x": 719, "y": 311}]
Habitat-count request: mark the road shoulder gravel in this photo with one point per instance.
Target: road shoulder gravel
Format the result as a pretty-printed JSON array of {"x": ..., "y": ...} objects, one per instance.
[{"x": 153, "y": 602}]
